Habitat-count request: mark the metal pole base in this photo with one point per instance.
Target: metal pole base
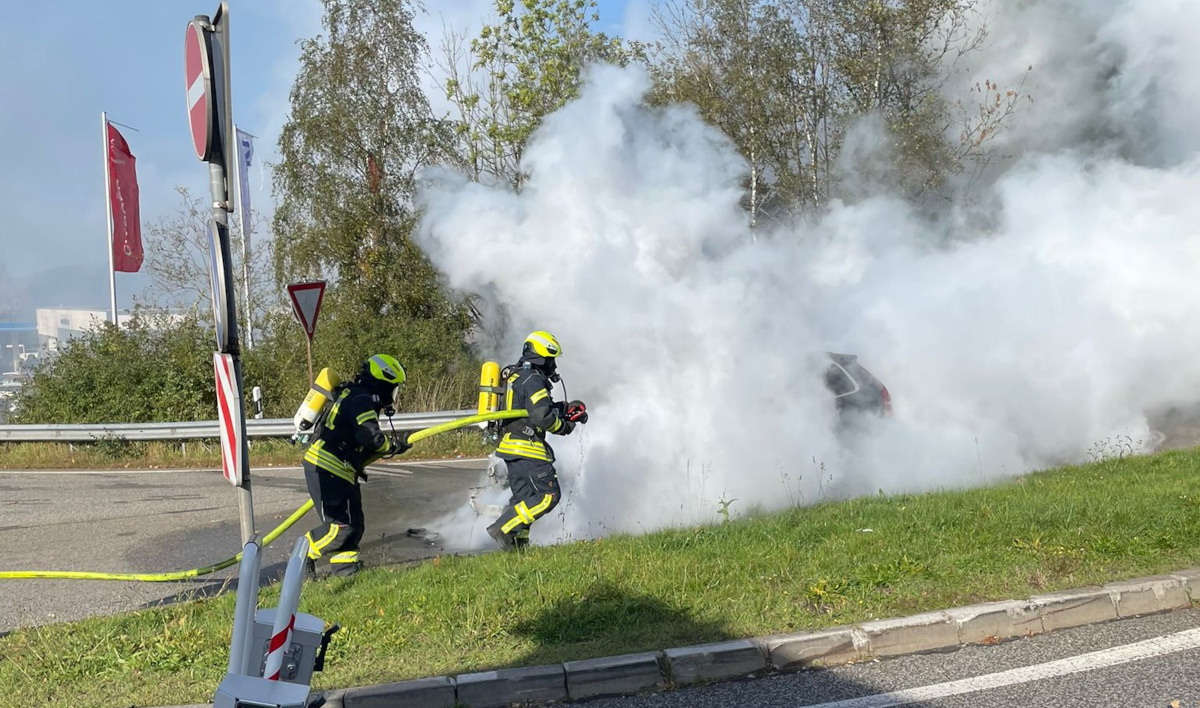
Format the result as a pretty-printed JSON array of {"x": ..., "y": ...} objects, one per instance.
[{"x": 238, "y": 691}]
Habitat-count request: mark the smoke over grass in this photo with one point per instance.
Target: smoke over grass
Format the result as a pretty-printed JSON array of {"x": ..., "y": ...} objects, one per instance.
[{"x": 692, "y": 338}]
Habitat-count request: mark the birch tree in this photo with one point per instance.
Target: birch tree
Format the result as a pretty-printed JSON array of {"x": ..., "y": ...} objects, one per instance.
[
  {"x": 517, "y": 71},
  {"x": 359, "y": 131}
]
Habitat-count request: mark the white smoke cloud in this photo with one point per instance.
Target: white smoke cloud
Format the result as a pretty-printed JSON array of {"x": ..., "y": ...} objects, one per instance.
[{"x": 693, "y": 342}]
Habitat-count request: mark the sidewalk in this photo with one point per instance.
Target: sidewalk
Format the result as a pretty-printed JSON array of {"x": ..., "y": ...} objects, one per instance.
[{"x": 986, "y": 623}]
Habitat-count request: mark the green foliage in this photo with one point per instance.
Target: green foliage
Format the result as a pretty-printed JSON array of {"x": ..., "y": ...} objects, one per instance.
[
  {"x": 788, "y": 82},
  {"x": 523, "y": 68},
  {"x": 441, "y": 375},
  {"x": 152, "y": 369},
  {"x": 359, "y": 130}
]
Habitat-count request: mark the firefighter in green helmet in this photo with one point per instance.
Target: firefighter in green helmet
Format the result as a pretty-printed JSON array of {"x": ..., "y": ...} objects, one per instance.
[
  {"x": 349, "y": 440},
  {"x": 530, "y": 460}
]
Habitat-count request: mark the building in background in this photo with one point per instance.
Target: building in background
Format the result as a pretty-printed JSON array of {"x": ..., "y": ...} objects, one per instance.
[
  {"x": 56, "y": 325},
  {"x": 19, "y": 346},
  {"x": 19, "y": 352}
]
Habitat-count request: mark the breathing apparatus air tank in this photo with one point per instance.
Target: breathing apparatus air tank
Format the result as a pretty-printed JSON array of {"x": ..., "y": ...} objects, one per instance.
[
  {"x": 489, "y": 387},
  {"x": 489, "y": 393},
  {"x": 319, "y": 395}
]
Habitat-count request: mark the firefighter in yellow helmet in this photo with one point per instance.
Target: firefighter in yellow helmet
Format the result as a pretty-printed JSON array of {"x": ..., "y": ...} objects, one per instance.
[
  {"x": 348, "y": 441},
  {"x": 530, "y": 461}
]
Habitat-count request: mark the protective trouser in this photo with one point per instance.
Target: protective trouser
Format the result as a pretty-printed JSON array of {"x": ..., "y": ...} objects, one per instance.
[
  {"x": 339, "y": 504},
  {"x": 535, "y": 492}
]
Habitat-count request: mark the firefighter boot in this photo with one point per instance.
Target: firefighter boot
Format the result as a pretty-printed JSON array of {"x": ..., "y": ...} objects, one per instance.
[
  {"x": 505, "y": 540},
  {"x": 345, "y": 570},
  {"x": 344, "y": 564}
]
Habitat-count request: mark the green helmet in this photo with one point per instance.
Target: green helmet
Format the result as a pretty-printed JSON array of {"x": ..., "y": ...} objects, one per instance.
[
  {"x": 384, "y": 369},
  {"x": 543, "y": 344}
]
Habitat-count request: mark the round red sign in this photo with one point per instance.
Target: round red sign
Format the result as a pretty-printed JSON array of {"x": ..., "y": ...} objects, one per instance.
[{"x": 199, "y": 90}]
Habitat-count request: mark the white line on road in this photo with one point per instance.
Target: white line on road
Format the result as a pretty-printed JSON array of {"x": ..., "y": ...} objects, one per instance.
[
  {"x": 200, "y": 470},
  {"x": 397, "y": 472},
  {"x": 420, "y": 463},
  {"x": 1148, "y": 649}
]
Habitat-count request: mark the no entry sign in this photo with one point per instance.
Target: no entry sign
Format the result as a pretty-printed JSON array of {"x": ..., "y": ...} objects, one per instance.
[{"x": 200, "y": 100}]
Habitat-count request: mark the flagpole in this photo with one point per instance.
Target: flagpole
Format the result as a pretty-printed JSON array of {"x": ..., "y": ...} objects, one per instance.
[
  {"x": 112, "y": 273},
  {"x": 245, "y": 224}
]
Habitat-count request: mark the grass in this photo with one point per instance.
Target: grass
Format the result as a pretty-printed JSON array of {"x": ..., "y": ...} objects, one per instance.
[
  {"x": 264, "y": 452},
  {"x": 804, "y": 568}
]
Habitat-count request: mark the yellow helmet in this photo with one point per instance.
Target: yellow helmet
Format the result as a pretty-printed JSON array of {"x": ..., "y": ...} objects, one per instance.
[
  {"x": 543, "y": 344},
  {"x": 385, "y": 369}
]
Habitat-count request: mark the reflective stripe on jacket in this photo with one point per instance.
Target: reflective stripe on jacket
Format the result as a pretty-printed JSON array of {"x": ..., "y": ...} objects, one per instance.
[
  {"x": 351, "y": 439},
  {"x": 525, "y": 437}
]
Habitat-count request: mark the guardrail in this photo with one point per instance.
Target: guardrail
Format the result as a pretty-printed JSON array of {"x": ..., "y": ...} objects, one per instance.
[{"x": 255, "y": 428}]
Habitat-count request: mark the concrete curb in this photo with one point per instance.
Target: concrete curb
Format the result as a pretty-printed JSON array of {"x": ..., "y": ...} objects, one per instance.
[{"x": 985, "y": 623}]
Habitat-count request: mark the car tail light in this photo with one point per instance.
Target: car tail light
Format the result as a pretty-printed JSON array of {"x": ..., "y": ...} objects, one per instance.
[{"x": 887, "y": 400}]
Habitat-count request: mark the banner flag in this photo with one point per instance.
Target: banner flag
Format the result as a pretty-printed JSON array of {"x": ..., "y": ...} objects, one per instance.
[
  {"x": 245, "y": 142},
  {"x": 123, "y": 204}
]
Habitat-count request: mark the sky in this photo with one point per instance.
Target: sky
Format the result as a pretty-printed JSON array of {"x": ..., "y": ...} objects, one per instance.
[{"x": 77, "y": 59}]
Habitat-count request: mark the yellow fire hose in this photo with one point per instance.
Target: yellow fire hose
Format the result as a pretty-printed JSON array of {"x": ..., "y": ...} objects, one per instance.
[{"x": 274, "y": 534}]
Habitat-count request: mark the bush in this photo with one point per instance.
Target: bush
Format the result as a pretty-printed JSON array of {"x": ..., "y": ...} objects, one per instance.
[
  {"x": 442, "y": 375},
  {"x": 154, "y": 368}
]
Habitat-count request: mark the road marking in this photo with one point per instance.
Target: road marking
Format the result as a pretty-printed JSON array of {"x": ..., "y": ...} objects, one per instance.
[
  {"x": 417, "y": 463},
  {"x": 390, "y": 472},
  {"x": 162, "y": 471},
  {"x": 1105, "y": 658}
]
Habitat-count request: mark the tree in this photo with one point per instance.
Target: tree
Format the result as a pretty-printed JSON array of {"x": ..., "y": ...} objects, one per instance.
[
  {"x": 518, "y": 71},
  {"x": 728, "y": 58},
  {"x": 788, "y": 79},
  {"x": 360, "y": 129},
  {"x": 177, "y": 262},
  {"x": 152, "y": 368}
]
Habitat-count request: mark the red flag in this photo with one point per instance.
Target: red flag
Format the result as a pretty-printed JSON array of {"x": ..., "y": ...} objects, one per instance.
[{"x": 123, "y": 202}]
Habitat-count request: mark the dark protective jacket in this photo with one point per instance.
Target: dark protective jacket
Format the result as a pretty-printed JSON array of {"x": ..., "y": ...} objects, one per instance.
[
  {"x": 351, "y": 438},
  {"x": 525, "y": 437}
]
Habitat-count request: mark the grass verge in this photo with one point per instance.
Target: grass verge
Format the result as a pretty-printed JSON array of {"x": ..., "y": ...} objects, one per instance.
[
  {"x": 264, "y": 452},
  {"x": 806, "y": 568}
]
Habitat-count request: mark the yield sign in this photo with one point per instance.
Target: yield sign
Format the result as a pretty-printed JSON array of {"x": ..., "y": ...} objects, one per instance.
[
  {"x": 198, "y": 82},
  {"x": 306, "y": 303}
]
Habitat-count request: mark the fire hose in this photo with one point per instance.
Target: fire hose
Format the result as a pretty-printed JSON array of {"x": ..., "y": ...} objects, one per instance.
[{"x": 271, "y": 536}]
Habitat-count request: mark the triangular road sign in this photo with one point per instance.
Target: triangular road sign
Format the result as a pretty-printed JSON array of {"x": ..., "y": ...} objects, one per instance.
[{"x": 306, "y": 303}]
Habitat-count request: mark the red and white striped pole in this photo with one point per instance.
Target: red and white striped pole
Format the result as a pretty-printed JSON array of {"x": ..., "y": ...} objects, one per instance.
[{"x": 285, "y": 614}]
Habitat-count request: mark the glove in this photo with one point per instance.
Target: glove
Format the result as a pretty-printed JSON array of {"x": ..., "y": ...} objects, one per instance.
[
  {"x": 577, "y": 412},
  {"x": 400, "y": 444}
]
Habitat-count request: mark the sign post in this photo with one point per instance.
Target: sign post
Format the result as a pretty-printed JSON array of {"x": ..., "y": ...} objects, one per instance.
[
  {"x": 306, "y": 304},
  {"x": 207, "y": 87}
]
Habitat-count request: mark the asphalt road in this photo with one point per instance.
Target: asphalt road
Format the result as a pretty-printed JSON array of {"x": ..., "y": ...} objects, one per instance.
[
  {"x": 149, "y": 522},
  {"x": 996, "y": 676}
]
